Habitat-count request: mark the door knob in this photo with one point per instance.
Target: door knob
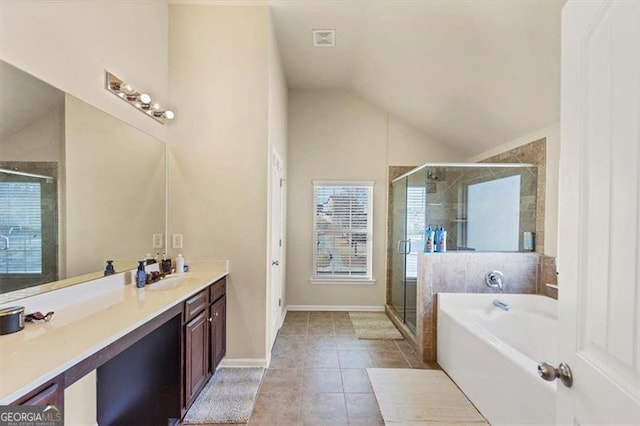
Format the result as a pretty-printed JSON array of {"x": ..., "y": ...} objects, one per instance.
[
  {"x": 549, "y": 373},
  {"x": 275, "y": 263}
]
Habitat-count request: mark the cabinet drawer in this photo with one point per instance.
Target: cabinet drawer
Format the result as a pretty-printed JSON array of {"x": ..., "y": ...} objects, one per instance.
[
  {"x": 195, "y": 305},
  {"x": 51, "y": 393},
  {"x": 218, "y": 289}
]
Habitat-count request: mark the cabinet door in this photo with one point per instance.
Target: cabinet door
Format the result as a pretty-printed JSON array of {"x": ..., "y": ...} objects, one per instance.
[
  {"x": 196, "y": 356},
  {"x": 218, "y": 332}
]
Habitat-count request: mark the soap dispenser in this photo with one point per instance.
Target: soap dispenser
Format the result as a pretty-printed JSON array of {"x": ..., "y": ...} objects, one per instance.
[
  {"x": 109, "y": 269},
  {"x": 141, "y": 275}
]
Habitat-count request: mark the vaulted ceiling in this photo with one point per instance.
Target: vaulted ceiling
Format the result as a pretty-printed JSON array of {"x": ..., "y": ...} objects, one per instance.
[{"x": 473, "y": 74}]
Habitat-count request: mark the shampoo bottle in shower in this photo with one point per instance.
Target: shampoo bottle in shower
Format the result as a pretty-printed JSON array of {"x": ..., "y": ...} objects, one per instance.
[
  {"x": 441, "y": 240},
  {"x": 429, "y": 236}
]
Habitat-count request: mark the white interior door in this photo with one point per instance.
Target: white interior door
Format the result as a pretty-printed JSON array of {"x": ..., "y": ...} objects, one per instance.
[
  {"x": 599, "y": 225},
  {"x": 276, "y": 246}
]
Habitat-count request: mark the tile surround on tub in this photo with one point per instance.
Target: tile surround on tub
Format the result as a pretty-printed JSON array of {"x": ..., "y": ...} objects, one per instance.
[{"x": 464, "y": 273}]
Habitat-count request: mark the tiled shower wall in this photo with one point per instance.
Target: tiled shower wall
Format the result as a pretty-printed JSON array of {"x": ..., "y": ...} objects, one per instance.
[{"x": 464, "y": 273}]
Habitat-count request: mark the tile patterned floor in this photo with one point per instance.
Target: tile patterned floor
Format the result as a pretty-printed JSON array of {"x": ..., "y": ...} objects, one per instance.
[{"x": 318, "y": 373}]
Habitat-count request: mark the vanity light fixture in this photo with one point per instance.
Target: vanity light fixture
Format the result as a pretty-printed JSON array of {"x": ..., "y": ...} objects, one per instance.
[{"x": 140, "y": 101}]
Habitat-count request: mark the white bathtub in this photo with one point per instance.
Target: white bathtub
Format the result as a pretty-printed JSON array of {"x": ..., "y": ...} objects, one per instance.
[{"x": 493, "y": 355}]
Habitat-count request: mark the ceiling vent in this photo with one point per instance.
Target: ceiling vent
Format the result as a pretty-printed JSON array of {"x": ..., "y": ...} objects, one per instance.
[{"x": 324, "y": 38}]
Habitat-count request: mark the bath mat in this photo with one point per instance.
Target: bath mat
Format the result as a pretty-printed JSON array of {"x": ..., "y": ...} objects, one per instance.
[
  {"x": 374, "y": 326},
  {"x": 227, "y": 398},
  {"x": 421, "y": 397}
]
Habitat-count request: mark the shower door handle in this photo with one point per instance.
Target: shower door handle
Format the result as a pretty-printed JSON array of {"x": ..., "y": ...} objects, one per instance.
[{"x": 406, "y": 247}]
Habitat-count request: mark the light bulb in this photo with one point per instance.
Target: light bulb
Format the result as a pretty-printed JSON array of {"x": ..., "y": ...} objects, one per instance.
[
  {"x": 169, "y": 115},
  {"x": 145, "y": 99},
  {"x": 155, "y": 107},
  {"x": 127, "y": 89}
]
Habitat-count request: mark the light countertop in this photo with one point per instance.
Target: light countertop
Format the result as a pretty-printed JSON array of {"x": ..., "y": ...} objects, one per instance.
[{"x": 88, "y": 317}]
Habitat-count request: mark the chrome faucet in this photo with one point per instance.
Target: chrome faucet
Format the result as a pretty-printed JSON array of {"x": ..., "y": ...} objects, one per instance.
[
  {"x": 495, "y": 279},
  {"x": 501, "y": 305}
]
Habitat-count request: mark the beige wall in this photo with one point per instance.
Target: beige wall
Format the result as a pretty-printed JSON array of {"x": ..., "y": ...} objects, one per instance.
[
  {"x": 277, "y": 134},
  {"x": 115, "y": 199},
  {"x": 336, "y": 135},
  {"x": 552, "y": 135},
  {"x": 69, "y": 44},
  {"x": 219, "y": 152},
  {"x": 42, "y": 140}
]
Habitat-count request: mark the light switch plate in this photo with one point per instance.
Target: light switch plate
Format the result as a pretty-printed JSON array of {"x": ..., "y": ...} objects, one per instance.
[
  {"x": 157, "y": 240},
  {"x": 176, "y": 241}
]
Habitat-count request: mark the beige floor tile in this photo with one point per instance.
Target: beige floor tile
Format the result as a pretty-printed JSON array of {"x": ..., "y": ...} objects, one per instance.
[
  {"x": 322, "y": 359},
  {"x": 280, "y": 408},
  {"x": 356, "y": 380},
  {"x": 363, "y": 407},
  {"x": 281, "y": 380},
  {"x": 323, "y": 408},
  {"x": 316, "y": 380},
  {"x": 294, "y": 329},
  {"x": 354, "y": 359}
]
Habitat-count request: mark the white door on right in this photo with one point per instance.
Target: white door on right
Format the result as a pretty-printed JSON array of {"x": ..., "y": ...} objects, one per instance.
[{"x": 599, "y": 219}]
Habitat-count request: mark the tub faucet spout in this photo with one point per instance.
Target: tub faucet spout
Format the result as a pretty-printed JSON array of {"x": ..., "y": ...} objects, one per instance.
[{"x": 501, "y": 305}]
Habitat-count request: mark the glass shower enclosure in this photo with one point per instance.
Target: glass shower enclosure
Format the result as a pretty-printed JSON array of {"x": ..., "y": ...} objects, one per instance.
[{"x": 482, "y": 206}]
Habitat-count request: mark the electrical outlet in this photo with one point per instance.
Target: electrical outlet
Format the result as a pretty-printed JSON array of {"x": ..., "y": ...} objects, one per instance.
[
  {"x": 157, "y": 241},
  {"x": 176, "y": 241}
]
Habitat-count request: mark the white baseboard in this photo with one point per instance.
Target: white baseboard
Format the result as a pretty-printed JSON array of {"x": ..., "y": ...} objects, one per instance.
[
  {"x": 243, "y": 363},
  {"x": 336, "y": 308}
]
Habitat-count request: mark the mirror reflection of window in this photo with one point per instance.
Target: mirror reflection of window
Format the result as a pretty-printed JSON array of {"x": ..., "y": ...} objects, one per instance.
[
  {"x": 493, "y": 214},
  {"x": 28, "y": 224}
]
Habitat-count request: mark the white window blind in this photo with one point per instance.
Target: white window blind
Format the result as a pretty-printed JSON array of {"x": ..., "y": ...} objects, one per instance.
[
  {"x": 20, "y": 228},
  {"x": 416, "y": 224},
  {"x": 342, "y": 229}
]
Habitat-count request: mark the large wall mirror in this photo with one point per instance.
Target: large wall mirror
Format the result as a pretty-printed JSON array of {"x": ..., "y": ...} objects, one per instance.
[{"x": 77, "y": 187}]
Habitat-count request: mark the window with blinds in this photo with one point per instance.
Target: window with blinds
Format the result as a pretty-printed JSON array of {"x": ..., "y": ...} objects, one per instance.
[
  {"x": 416, "y": 224},
  {"x": 342, "y": 228},
  {"x": 20, "y": 228}
]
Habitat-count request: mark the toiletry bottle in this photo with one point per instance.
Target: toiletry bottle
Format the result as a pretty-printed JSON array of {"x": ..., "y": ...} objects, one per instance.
[
  {"x": 166, "y": 264},
  {"x": 179, "y": 264},
  {"x": 441, "y": 240},
  {"x": 429, "y": 236},
  {"x": 141, "y": 275},
  {"x": 148, "y": 259},
  {"x": 109, "y": 269}
]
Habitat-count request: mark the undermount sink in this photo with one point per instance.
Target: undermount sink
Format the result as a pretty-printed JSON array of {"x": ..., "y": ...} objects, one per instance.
[{"x": 168, "y": 283}]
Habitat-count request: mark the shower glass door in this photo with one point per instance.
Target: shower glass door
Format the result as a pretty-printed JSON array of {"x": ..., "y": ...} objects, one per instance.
[
  {"x": 398, "y": 246},
  {"x": 415, "y": 224},
  {"x": 407, "y": 241}
]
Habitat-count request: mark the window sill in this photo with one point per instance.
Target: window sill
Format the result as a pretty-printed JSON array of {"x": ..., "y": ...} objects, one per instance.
[{"x": 342, "y": 281}]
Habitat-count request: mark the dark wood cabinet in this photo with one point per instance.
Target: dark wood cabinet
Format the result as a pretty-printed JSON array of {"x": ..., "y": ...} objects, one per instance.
[
  {"x": 218, "y": 332},
  {"x": 196, "y": 355},
  {"x": 205, "y": 338}
]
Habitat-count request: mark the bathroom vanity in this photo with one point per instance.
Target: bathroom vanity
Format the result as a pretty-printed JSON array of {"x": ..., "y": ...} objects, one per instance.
[{"x": 153, "y": 349}]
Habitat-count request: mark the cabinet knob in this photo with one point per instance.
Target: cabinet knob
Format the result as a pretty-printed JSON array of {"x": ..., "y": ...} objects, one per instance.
[
  {"x": 215, "y": 314},
  {"x": 210, "y": 319}
]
